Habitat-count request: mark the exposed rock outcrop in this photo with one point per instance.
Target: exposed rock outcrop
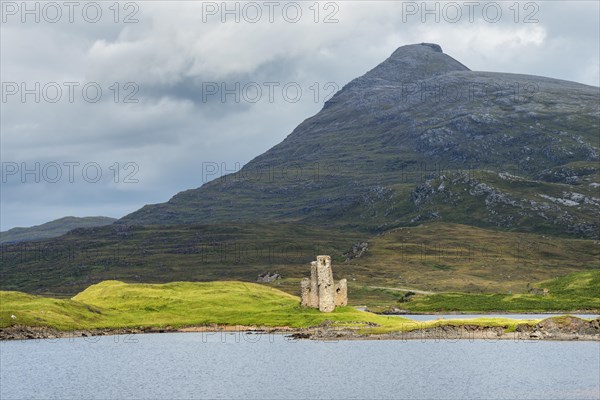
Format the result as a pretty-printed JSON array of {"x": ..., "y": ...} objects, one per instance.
[
  {"x": 357, "y": 250},
  {"x": 268, "y": 277}
]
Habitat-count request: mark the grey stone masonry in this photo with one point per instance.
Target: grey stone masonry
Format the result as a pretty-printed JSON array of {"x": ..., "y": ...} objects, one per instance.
[{"x": 321, "y": 291}]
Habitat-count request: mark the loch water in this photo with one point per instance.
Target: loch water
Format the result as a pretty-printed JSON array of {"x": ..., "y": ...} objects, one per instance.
[{"x": 241, "y": 365}]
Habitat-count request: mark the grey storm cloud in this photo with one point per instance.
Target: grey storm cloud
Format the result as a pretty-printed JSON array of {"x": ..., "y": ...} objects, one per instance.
[{"x": 171, "y": 59}]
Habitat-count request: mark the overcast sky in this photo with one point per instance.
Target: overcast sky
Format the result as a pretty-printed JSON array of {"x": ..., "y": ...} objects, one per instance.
[{"x": 164, "y": 67}]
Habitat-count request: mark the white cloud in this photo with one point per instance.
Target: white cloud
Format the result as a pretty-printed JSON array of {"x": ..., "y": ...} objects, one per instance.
[{"x": 171, "y": 51}]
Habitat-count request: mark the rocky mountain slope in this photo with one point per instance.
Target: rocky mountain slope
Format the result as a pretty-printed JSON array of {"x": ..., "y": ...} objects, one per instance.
[{"x": 422, "y": 137}]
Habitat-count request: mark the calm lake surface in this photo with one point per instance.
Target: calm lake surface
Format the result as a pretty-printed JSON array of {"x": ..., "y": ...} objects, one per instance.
[{"x": 247, "y": 366}]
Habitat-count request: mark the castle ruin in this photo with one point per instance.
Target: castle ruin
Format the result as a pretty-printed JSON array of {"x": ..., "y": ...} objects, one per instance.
[{"x": 321, "y": 291}]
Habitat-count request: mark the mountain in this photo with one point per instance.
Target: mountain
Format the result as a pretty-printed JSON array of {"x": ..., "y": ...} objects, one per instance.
[
  {"x": 419, "y": 175},
  {"x": 422, "y": 137},
  {"x": 52, "y": 229}
]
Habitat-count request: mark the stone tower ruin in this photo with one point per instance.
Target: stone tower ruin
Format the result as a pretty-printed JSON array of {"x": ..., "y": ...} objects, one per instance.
[{"x": 321, "y": 291}]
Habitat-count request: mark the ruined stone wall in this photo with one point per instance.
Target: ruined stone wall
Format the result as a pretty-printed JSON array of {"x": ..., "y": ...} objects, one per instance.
[
  {"x": 326, "y": 284},
  {"x": 341, "y": 293},
  {"x": 305, "y": 293},
  {"x": 320, "y": 290},
  {"x": 314, "y": 286}
]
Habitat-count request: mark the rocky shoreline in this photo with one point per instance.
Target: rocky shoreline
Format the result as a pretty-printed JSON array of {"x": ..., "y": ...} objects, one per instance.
[
  {"x": 565, "y": 329},
  {"x": 561, "y": 328},
  {"x": 20, "y": 332}
]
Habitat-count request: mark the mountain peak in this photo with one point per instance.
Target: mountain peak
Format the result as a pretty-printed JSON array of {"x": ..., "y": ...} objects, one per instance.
[
  {"x": 419, "y": 47},
  {"x": 415, "y": 62},
  {"x": 434, "y": 46},
  {"x": 377, "y": 154}
]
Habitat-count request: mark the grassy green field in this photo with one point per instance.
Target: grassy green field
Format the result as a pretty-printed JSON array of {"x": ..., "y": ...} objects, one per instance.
[
  {"x": 114, "y": 304},
  {"x": 579, "y": 291},
  {"x": 436, "y": 257},
  {"x": 443, "y": 257},
  {"x": 470, "y": 269}
]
